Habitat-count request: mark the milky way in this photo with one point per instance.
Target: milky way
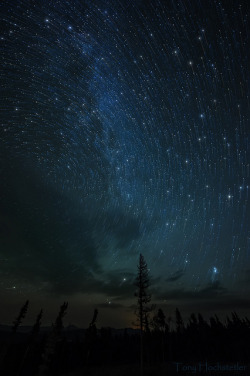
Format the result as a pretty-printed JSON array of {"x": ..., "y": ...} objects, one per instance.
[{"x": 125, "y": 130}]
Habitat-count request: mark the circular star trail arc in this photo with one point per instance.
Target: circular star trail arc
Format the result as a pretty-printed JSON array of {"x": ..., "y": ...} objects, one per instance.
[{"x": 125, "y": 130}]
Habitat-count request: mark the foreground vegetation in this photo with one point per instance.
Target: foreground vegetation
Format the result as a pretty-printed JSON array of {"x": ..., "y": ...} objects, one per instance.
[{"x": 96, "y": 351}]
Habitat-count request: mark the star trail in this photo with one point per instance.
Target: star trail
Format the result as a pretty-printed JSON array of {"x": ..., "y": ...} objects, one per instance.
[{"x": 124, "y": 130}]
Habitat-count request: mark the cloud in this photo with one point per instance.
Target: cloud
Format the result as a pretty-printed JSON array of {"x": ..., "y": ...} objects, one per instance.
[
  {"x": 175, "y": 276},
  {"x": 213, "y": 297},
  {"x": 118, "y": 284},
  {"x": 50, "y": 238},
  {"x": 49, "y": 241},
  {"x": 245, "y": 279},
  {"x": 232, "y": 303},
  {"x": 110, "y": 305},
  {"x": 211, "y": 291},
  {"x": 122, "y": 227}
]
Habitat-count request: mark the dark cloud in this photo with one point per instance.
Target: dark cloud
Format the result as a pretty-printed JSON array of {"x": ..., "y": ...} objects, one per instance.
[
  {"x": 124, "y": 228},
  {"x": 49, "y": 238},
  {"x": 211, "y": 291},
  {"x": 226, "y": 303},
  {"x": 245, "y": 278},
  {"x": 118, "y": 284},
  {"x": 175, "y": 276},
  {"x": 231, "y": 303},
  {"x": 110, "y": 305},
  {"x": 54, "y": 240},
  {"x": 214, "y": 297}
]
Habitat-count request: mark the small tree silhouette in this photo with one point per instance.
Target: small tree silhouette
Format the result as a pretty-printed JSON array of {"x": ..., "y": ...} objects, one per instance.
[
  {"x": 178, "y": 321},
  {"x": 159, "y": 321},
  {"x": 142, "y": 312},
  {"x": 160, "y": 326},
  {"x": 92, "y": 324},
  {"x": 52, "y": 340},
  {"x": 31, "y": 340},
  {"x": 21, "y": 316},
  {"x": 58, "y": 326},
  {"x": 36, "y": 326},
  {"x": 91, "y": 334},
  {"x": 16, "y": 324}
]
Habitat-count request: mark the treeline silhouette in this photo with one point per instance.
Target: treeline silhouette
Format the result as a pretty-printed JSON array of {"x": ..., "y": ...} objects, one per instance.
[{"x": 165, "y": 340}]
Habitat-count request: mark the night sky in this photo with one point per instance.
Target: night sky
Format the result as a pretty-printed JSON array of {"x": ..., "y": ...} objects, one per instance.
[{"x": 124, "y": 130}]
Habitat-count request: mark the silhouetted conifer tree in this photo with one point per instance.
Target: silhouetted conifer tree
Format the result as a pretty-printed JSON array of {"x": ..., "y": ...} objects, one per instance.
[
  {"x": 33, "y": 335},
  {"x": 91, "y": 334},
  {"x": 160, "y": 325},
  {"x": 52, "y": 340},
  {"x": 16, "y": 324},
  {"x": 21, "y": 316},
  {"x": 247, "y": 322},
  {"x": 201, "y": 320},
  {"x": 58, "y": 326},
  {"x": 193, "y": 320},
  {"x": 178, "y": 321},
  {"x": 36, "y": 326},
  {"x": 159, "y": 321},
  {"x": 142, "y": 284},
  {"x": 93, "y": 322}
]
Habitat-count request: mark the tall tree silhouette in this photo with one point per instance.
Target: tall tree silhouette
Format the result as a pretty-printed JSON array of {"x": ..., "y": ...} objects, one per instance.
[
  {"x": 31, "y": 340},
  {"x": 159, "y": 321},
  {"x": 142, "y": 284},
  {"x": 16, "y": 324},
  {"x": 58, "y": 326},
  {"x": 160, "y": 326},
  {"x": 36, "y": 326},
  {"x": 21, "y": 316},
  {"x": 91, "y": 335},
  {"x": 178, "y": 321},
  {"x": 52, "y": 341}
]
